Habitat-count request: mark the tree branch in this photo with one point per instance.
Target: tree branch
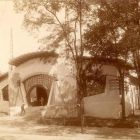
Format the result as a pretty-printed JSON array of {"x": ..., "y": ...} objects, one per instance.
[{"x": 61, "y": 25}]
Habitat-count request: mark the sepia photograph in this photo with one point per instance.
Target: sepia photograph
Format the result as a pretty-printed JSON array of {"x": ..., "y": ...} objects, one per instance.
[{"x": 69, "y": 69}]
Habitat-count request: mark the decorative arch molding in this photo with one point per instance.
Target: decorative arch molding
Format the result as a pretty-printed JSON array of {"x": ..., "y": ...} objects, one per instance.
[
  {"x": 34, "y": 74},
  {"x": 43, "y": 80}
]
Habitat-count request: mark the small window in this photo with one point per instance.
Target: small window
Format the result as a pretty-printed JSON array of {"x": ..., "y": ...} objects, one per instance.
[{"x": 5, "y": 93}]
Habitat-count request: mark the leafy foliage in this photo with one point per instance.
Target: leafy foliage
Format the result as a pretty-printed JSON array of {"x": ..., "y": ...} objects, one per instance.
[
  {"x": 56, "y": 19},
  {"x": 95, "y": 79}
]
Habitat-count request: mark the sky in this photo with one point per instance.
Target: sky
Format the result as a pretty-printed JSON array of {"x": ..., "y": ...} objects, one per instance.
[{"x": 23, "y": 42}]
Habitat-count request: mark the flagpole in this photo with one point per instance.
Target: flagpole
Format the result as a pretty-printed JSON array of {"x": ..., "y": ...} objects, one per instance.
[
  {"x": 10, "y": 66},
  {"x": 11, "y": 46},
  {"x": 11, "y": 43}
]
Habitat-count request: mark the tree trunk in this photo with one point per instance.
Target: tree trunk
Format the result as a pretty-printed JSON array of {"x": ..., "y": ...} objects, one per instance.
[
  {"x": 80, "y": 102},
  {"x": 122, "y": 93},
  {"x": 139, "y": 94}
]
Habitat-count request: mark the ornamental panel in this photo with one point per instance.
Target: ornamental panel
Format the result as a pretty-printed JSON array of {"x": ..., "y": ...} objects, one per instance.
[{"x": 41, "y": 79}]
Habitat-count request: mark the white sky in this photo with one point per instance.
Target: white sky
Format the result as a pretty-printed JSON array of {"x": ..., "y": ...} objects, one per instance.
[{"x": 23, "y": 42}]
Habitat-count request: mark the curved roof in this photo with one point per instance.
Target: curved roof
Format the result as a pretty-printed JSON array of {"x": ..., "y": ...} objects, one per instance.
[
  {"x": 112, "y": 61},
  {"x": 25, "y": 57}
]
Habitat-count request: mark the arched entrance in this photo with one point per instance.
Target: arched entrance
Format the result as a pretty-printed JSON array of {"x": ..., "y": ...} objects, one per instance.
[
  {"x": 37, "y": 96},
  {"x": 37, "y": 89}
]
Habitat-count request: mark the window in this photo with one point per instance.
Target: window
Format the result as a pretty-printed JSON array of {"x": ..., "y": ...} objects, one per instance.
[{"x": 5, "y": 93}]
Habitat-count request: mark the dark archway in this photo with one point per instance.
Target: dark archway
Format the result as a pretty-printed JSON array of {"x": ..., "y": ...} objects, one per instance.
[
  {"x": 41, "y": 85},
  {"x": 37, "y": 96}
]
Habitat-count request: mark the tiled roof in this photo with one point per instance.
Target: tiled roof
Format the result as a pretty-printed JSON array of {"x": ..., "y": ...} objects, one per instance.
[{"x": 25, "y": 57}]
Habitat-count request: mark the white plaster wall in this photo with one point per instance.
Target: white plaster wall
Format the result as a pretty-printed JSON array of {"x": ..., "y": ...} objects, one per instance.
[
  {"x": 4, "y": 107},
  {"x": 131, "y": 99},
  {"x": 31, "y": 67},
  {"x": 102, "y": 106},
  {"x": 107, "y": 104},
  {"x": 110, "y": 70}
]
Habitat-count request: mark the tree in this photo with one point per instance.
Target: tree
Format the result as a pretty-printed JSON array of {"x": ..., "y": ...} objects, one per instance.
[
  {"x": 131, "y": 38},
  {"x": 43, "y": 14}
]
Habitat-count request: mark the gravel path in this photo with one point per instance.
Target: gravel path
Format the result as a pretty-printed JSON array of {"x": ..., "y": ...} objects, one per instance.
[{"x": 17, "y": 128}]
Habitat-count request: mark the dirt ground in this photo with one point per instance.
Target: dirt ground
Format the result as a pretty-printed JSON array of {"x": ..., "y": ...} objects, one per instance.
[{"x": 15, "y": 128}]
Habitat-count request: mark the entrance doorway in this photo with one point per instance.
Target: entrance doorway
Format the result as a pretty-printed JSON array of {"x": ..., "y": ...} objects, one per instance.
[
  {"x": 37, "y": 89},
  {"x": 37, "y": 96}
]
